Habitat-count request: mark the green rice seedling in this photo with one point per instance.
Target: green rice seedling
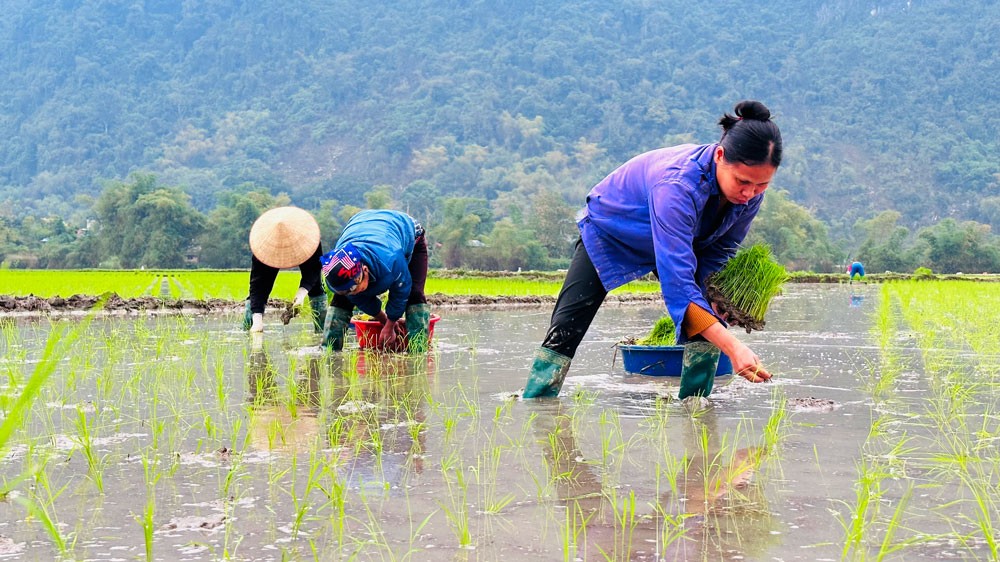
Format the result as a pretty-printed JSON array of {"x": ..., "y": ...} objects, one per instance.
[
  {"x": 487, "y": 474},
  {"x": 889, "y": 546},
  {"x": 625, "y": 521},
  {"x": 61, "y": 340},
  {"x": 985, "y": 505},
  {"x": 42, "y": 508},
  {"x": 151, "y": 474},
  {"x": 669, "y": 467},
  {"x": 663, "y": 333},
  {"x": 457, "y": 512},
  {"x": 744, "y": 287},
  {"x": 575, "y": 530},
  {"x": 857, "y": 523},
  {"x": 85, "y": 439},
  {"x": 612, "y": 445},
  {"x": 776, "y": 427}
]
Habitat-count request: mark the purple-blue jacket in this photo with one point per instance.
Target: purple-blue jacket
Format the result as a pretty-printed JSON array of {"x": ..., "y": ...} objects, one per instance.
[
  {"x": 660, "y": 211},
  {"x": 385, "y": 240}
]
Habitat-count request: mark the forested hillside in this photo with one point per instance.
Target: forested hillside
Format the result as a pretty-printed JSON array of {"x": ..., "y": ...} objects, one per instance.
[{"x": 490, "y": 113}]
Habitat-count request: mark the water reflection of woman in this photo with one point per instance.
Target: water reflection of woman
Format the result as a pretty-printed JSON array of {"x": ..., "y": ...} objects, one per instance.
[
  {"x": 286, "y": 423},
  {"x": 713, "y": 490},
  {"x": 374, "y": 421}
]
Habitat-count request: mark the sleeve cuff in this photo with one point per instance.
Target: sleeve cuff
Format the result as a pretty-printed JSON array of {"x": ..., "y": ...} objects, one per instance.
[{"x": 696, "y": 320}]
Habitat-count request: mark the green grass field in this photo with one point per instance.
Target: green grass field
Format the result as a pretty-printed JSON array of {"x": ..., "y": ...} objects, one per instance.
[{"x": 233, "y": 285}]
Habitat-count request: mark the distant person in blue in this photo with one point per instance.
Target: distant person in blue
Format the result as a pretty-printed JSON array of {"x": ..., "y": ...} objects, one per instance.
[
  {"x": 856, "y": 269},
  {"x": 379, "y": 251},
  {"x": 679, "y": 212}
]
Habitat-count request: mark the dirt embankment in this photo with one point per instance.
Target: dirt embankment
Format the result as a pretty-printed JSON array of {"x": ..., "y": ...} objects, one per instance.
[
  {"x": 32, "y": 305},
  {"x": 112, "y": 303}
]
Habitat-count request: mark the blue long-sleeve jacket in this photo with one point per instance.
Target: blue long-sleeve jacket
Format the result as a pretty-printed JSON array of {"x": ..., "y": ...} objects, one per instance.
[
  {"x": 661, "y": 210},
  {"x": 385, "y": 240}
]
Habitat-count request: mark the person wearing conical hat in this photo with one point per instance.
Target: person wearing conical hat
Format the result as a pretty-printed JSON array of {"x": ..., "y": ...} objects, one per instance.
[
  {"x": 281, "y": 238},
  {"x": 380, "y": 251}
]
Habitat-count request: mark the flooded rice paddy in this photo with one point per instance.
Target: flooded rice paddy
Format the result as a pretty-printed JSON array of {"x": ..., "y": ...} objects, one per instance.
[{"x": 183, "y": 438}]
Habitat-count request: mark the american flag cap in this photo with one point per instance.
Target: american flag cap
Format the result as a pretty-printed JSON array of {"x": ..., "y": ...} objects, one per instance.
[{"x": 341, "y": 268}]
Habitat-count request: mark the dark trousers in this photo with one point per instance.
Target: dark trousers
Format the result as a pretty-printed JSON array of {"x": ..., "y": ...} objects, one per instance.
[
  {"x": 418, "y": 277},
  {"x": 579, "y": 299},
  {"x": 262, "y": 277}
]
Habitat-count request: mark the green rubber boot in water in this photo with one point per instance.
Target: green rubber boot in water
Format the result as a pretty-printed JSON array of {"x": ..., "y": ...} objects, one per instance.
[
  {"x": 418, "y": 322},
  {"x": 547, "y": 374},
  {"x": 318, "y": 307},
  {"x": 335, "y": 327},
  {"x": 701, "y": 360},
  {"x": 247, "y": 317}
]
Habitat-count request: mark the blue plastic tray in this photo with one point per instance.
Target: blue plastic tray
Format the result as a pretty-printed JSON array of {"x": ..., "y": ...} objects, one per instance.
[{"x": 662, "y": 360}]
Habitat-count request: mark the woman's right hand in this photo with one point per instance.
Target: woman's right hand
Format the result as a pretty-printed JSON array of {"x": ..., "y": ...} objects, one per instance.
[
  {"x": 745, "y": 362},
  {"x": 747, "y": 365}
]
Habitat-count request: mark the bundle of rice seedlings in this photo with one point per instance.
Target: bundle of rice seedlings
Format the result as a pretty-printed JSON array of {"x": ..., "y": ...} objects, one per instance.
[
  {"x": 744, "y": 287},
  {"x": 663, "y": 333}
]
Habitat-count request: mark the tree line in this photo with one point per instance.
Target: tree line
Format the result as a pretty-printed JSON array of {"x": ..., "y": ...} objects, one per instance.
[
  {"x": 884, "y": 106},
  {"x": 142, "y": 223}
]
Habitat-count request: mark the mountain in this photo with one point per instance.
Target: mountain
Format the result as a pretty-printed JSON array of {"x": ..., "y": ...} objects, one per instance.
[{"x": 887, "y": 105}]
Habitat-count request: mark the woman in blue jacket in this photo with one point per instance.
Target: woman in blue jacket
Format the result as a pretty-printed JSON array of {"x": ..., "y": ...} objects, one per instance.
[
  {"x": 379, "y": 251},
  {"x": 679, "y": 212}
]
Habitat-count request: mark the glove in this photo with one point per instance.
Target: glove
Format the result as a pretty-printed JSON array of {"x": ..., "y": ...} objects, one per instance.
[
  {"x": 334, "y": 327},
  {"x": 257, "y": 322},
  {"x": 701, "y": 360},
  {"x": 318, "y": 307}
]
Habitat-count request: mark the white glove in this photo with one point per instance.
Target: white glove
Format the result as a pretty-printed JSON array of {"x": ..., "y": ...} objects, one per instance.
[
  {"x": 300, "y": 296},
  {"x": 258, "y": 323}
]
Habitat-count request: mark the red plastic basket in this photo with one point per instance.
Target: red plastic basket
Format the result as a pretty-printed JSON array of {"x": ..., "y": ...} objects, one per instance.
[{"x": 367, "y": 332}]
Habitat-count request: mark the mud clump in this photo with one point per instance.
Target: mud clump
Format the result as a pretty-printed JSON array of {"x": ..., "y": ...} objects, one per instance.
[{"x": 810, "y": 404}]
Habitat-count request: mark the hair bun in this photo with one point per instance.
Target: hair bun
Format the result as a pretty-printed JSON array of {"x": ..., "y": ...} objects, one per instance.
[{"x": 750, "y": 109}]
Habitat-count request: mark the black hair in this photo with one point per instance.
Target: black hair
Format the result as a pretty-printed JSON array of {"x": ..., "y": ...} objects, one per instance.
[{"x": 750, "y": 137}]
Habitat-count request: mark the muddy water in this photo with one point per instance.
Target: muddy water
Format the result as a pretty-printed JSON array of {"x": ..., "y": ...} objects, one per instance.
[{"x": 267, "y": 449}]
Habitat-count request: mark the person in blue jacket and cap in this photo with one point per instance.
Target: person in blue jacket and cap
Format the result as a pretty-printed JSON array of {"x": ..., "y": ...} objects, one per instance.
[
  {"x": 678, "y": 212},
  {"x": 379, "y": 251}
]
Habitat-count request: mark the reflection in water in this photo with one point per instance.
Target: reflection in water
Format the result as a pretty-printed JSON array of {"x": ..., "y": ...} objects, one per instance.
[
  {"x": 857, "y": 300},
  {"x": 375, "y": 415},
  {"x": 709, "y": 507},
  {"x": 286, "y": 423},
  {"x": 366, "y": 409}
]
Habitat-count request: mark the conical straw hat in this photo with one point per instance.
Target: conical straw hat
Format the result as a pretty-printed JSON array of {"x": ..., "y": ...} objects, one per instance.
[{"x": 284, "y": 237}]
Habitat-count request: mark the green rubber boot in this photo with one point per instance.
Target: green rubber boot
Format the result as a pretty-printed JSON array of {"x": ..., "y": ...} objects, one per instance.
[
  {"x": 418, "y": 322},
  {"x": 247, "y": 317},
  {"x": 701, "y": 360},
  {"x": 547, "y": 374},
  {"x": 318, "y": 306},
  {"x": 334, "y": 327}
]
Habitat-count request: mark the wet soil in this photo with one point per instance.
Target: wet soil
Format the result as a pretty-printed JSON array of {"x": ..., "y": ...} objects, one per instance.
[{"x": 810, "y": 404}]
